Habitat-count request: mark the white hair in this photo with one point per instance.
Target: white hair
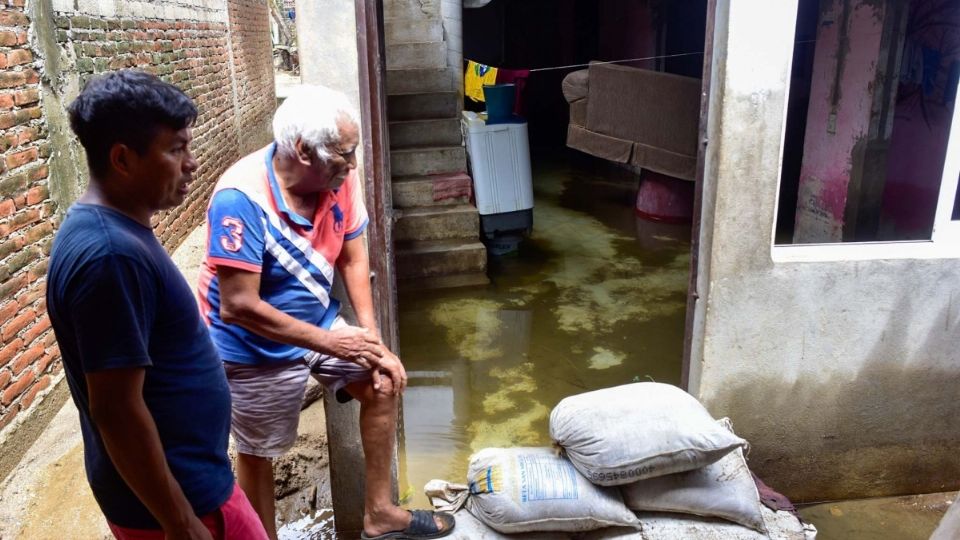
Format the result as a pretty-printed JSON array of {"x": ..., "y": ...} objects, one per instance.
[{"x": 310, "y": 113}]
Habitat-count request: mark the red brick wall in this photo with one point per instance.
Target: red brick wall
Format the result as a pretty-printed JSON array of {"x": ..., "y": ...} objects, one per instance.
[
  {"x": 253, "y": 66},
  {"x": 226, "y": 67},
  {"x": 27, "y": 221}
]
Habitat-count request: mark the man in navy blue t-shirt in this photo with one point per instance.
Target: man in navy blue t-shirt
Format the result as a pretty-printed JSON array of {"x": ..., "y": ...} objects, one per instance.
[{"x": 153, "y": 399}]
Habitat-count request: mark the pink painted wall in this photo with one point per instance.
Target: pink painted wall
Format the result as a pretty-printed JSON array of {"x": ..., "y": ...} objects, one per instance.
[{"x": 834, "y": 130}]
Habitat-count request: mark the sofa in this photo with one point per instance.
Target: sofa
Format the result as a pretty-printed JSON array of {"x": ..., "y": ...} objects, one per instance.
[{"x": 639, "y": 117}]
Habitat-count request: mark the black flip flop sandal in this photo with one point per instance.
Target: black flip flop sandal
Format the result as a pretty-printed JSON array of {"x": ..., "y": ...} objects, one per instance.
[{"x": 422, "y": 526}]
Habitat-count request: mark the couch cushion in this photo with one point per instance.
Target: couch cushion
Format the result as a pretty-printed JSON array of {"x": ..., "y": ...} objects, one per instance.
[
  {"x": 682, "y": 166},
  {"x": 658, "y": 110},
  {"x": 595, "y": 144},
  {"x": 578, "y": 112},
  {"x": 575, "y": 85}
]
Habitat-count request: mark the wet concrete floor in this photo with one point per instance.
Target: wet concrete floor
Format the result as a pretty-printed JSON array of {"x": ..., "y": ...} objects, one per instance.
[{"x": 594, "y": 298}]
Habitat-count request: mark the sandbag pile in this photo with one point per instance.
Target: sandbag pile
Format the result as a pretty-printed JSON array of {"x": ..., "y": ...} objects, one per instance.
[{"x": 640, "y": 456}]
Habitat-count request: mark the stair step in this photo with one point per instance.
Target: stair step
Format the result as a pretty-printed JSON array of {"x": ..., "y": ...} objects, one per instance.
[
  {"x": 427, "y": 160},
  {"x": 417, "y": 55},
  {"x": 433, "y": 105},
  {"x": 435, "y": 190},
  {"x": 436, "y": 223},
  {"x": 443, "y": 132},
  {"x": 442, "y": 282},
  {"x": 412, "y": 30},
  {"x": 411, "y": 9},
  {"x": 416, "y": 81},
  {"x": 433, "y": 258}
]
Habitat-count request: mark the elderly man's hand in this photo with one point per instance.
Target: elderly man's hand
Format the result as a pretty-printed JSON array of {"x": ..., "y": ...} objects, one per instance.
[
  {"x": 390, "y": 367},
  {"x": 357, "y": 345}
]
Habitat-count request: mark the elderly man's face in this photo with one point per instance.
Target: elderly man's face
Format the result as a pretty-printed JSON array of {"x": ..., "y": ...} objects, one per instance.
[{"x": 343, "y": 157}]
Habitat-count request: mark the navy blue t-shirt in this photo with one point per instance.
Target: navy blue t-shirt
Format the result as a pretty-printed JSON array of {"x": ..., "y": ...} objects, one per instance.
[{"x": 116, "y": 300}]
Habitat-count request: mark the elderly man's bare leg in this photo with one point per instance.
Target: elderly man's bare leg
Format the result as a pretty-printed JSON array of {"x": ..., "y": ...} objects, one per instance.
[
  {"x": 378, "y": 429},
  {"x": 255, "y": 476}
]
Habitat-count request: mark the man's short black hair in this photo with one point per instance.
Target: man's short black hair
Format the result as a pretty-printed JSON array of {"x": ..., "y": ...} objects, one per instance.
[{"x": 127, "y": 107}]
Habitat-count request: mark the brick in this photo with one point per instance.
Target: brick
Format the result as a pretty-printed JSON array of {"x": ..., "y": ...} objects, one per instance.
[
  {"x": 19, "y": 57},
  {"x": 32, "y": 76},
  {"x": 8, "y": 417},
  {"x": 16, "y": 324},
  {"x": 6, "y": 208},
  {"x": 9, "y": 351},
  {"x": 6, "y": 101},
  {"x": 27, "y": 135},
  {"x": 9, "y": 310},
  {"x": 13, "y": 18},
  {"x": 27, "y": 358},
  {"x": 14, "y": 390},
  {"x": 37, "y": 330},
  {"x": 37, "y": 194},
  {"x": 8, "y": 38},
  {"x": 9, "y": 79},
  {"x": 31, "y": 295},
  {"x": 38, "y": 232},
  {"x": 37, "y": 271},
  {"x": 42, "y": 384},
  {"x": 10, "y": 246},
  {"x": 42, "y": 171},
  {"x": 27, "y": 97},
  {"x": 5, "y": 377},
  {"x": 80, "y": 21},
  {"x": 12, "y": 285},
  {"x": 23, "y": 219},
  {"x": 45, "y": 362},
  {"x": 12, "y": 184},
  {"x": 19, "y": 159}
]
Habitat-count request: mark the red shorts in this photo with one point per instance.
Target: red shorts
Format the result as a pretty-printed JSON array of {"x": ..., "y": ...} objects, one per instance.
[{"x": 235, "y": 520}]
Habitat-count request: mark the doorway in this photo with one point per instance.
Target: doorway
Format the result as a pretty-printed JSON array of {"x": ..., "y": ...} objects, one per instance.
[{"x": 596, "y": 295}]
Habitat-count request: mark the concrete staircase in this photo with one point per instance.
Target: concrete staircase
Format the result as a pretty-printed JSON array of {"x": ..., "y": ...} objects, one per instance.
[{"x": 436, "y": 230}]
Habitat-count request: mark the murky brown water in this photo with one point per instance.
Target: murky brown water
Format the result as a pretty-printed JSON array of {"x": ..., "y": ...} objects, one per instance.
[{"x": 594, "y": 298}]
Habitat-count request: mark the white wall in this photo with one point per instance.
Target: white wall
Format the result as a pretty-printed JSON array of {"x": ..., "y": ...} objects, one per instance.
[
  {"x": 327, "y": 43},
  {"x": 843, "y": 374},
  {"x": 194, "y": 10}
]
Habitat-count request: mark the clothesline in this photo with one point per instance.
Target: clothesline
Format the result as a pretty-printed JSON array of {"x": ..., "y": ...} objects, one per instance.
[
  {"x": 615, "y": 61},
  {"x": 635, "y": 59}
]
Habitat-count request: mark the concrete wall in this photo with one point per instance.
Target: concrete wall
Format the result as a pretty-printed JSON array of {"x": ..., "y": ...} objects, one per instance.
[
  {"x": 841, "y": 371},
  {"x": 452, "y": 14},
  {"x": 327, "y": 41},
  {"x": 216, "y": 50}
]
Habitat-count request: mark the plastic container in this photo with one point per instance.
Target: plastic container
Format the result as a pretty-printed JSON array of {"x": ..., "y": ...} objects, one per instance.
[
  {"x": 499, "y": 99},
  {"x": 500, "y": 163}
]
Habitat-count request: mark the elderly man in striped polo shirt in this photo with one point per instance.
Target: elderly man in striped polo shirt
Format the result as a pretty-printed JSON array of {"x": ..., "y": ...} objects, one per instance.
[{"x": 279, "y": 221}]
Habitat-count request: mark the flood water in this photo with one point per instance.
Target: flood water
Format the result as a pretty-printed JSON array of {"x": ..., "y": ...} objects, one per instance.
[{"x": 594, "y": 298}]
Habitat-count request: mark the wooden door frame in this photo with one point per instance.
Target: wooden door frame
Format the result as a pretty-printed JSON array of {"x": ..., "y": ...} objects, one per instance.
[
  {"x": 347, "y": 465},
  {"x": 692, "y": 292},
  {"x": 371, "y": 69}
]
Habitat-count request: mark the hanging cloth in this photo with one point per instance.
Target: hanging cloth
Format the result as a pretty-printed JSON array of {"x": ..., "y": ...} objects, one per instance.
[
  {"x": 475, "y": 76},
  {"x": 517, "y": 77}
]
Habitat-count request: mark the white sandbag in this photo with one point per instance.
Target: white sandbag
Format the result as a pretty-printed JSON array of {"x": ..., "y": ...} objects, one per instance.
[
  {"x": 623, "y": 434},
  {"x": 723, "y": 489},
  {"x": 779, "y": 525},
  {"x": 517, "y": 490},
  {"x": 470, "y": 528}
]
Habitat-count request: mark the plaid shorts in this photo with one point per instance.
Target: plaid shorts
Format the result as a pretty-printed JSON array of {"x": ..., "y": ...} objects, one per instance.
[{"x": 333, "y": 373}]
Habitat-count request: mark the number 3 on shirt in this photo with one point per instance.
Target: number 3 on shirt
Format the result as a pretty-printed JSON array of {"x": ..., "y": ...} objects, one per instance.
[{"x": 234, "y": 241}]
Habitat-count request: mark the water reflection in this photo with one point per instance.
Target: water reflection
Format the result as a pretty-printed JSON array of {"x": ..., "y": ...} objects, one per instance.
[{"x": 591, "y": 299}]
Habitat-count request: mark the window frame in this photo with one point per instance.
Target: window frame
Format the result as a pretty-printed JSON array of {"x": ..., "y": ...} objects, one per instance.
[{"x": 944, "y": 240}]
